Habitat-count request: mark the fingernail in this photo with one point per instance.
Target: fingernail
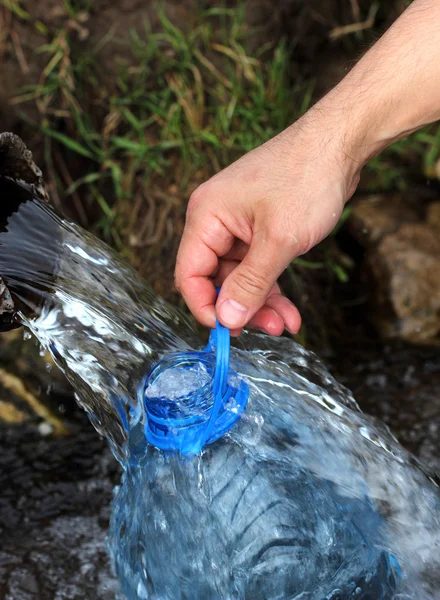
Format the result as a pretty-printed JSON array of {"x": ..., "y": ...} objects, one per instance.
[
  {"x": 293, "y": 329},
  {"x": 275, "y": 325},
  {"x": 232, "y": 314}
]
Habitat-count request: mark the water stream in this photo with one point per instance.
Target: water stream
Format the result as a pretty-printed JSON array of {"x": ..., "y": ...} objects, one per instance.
[
  {"x": 305, "y": 498},
  {"x": 104, "y": 327}
]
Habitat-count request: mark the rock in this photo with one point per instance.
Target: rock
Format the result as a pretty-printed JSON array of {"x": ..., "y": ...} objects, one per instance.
[
  {"x": 400, "y": 384},
  {"x": 375, "y": 216},
  {"x": 16, "y": 163},
  {"x": 406, "y": 268},
  {"x": 54, "y": 510},
  {"x": 402, "y": 261}
]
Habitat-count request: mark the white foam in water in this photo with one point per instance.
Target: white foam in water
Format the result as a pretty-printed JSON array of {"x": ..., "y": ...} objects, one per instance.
[
  {"x": 305, "y": 499},
  {"x": 178, "y": 383}
]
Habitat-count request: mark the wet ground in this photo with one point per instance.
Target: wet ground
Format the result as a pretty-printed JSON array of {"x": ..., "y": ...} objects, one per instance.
[
  {"x": 399, "y": 384},
  {"x": 54, "y": 510},
  {"x": 55, "y": 490}
]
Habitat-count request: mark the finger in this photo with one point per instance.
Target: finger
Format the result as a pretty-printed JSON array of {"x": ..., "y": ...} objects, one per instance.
[
  {"x": 238, "y": 251},
  {"x": 226, "y": 267},
  {"x": 204, "y": 239},
  {"x": 275, "y": 301},
  {"x": 286, "y": 310},
  {"x": 247, "y": 288},
  {"x": 267, "y": 320}
]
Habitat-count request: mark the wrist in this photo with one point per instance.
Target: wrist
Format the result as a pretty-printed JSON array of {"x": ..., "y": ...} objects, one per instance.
[
  {"x": 394, "y": 89},
  {"x": 340, "y": 139}
]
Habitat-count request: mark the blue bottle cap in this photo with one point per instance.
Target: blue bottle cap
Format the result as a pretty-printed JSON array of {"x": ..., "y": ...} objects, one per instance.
[{"x": 208, "y": 412}]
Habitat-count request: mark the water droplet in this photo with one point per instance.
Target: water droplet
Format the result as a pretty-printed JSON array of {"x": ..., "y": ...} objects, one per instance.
[{"x": 45, "y": 429}]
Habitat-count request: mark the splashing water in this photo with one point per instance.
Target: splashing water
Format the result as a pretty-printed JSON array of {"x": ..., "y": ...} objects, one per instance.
[
  {"x": 104, "y": 327},
  {"x": 305, "y": 498}
]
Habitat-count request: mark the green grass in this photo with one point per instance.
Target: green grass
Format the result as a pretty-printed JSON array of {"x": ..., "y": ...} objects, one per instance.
[
  {"x": 394, "y": 168},
  {"x": 177, "y": 108},
  {"x": 181, "y": 105},
  {"x": 16, "y": 9},
  {"x": 77, "y": 7}
]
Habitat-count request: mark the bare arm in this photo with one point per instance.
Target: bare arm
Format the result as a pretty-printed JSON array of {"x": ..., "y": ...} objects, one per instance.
[
  {"x": 395, "y": 88},
  {"x": 248, "y": 222}
]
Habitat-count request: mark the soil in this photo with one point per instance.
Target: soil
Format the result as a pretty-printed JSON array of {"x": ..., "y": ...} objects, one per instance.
[{"x": 307, "y": 22}]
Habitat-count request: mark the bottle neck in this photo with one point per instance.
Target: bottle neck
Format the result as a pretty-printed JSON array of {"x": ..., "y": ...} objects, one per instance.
[
  {"x": 179, "y": 399},
  {"x": 186, "y": 407},
  {"x": 181, "y": 386}
]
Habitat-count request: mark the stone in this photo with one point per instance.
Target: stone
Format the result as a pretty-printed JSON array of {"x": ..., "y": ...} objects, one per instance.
[
  {"x": 406, "y": 269},
  {"x": 402, "y": 250},
  {"x": 378, "y": 215},
  {"x": 16, "y": 162}
]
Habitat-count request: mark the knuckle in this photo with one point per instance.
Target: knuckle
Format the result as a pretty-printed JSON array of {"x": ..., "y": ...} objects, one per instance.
[
  {"x": 288, "y": 236},
  {"x": 196, "y": 198},
  {"x": 179, "y": 275},
  {"x": 252, "y": 281},
  {"x": 307, "y": 241},
  {"x": 304, "y": 246}
]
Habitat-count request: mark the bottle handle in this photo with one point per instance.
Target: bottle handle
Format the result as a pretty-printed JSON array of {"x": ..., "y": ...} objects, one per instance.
[{"x": 220, "y": 340}]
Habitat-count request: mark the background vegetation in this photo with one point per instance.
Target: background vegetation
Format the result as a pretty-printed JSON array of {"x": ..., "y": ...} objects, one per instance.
[{"x": 127, "y": 120}]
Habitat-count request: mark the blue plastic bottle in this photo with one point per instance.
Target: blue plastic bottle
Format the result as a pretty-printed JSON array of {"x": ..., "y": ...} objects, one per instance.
[{"x": 224, "y": 504}]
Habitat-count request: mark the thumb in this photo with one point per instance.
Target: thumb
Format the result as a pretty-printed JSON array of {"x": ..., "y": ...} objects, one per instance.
[{"x": 247, "y": 288}]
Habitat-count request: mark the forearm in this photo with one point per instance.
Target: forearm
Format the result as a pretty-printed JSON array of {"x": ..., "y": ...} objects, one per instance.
[
  {"x": 252, "y": 219},
  {"x": 393, "y": 90}
]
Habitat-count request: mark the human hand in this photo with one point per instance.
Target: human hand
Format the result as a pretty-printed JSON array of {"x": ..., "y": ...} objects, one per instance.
[{"x": 246, "y": 224}]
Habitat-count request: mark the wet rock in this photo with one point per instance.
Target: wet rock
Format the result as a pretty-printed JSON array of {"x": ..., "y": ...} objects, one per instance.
[
  {"x": 56, "y": 484},
  {"x": 17, "y": 163},
  {"x": 402, "y": 263}
]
